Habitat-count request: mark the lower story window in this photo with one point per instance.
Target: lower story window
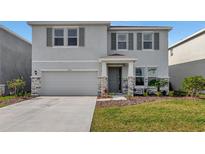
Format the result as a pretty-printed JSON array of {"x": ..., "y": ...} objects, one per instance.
[
  {"x": 152, "y": 75},
  {"x": 139, "y": 81},
  {"x": 139, "y": 72}
]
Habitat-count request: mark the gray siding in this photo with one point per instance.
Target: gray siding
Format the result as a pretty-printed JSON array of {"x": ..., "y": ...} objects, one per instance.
[
  {"x": 15, "y": 58},
  {"x": 147, "y": 58},
  {"x": 180, "y": 71},
  {"x": 86, "y": 57}
]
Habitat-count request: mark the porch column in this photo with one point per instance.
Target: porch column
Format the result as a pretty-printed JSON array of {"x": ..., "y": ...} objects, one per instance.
[
  {"x": 103, "y": 80},
  {"x": 131, "y": 78},
  {"x": 104, "y": 69},
  {"x": 35, "y": 85}
]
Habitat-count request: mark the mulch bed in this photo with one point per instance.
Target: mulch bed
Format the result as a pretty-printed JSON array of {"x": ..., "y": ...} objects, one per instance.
[
  {"x": 104, "y": 97},
  {"x": 14, "y": 100},
  {"x": 135, "y": 100}
]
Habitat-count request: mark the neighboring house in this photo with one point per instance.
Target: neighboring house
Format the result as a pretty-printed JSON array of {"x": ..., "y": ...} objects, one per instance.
[
  {"x": 94, "y": 58},
  {"x": 15, "y": 58},
  {"x": 187, "y": 58}
]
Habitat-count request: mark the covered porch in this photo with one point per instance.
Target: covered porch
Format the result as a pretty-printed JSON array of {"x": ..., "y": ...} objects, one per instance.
[{"x": 116, "y": 75}]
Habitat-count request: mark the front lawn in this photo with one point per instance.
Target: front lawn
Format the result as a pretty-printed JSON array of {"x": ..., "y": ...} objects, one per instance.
[
  {"x": 173, "y": 114},
  {"x": 8, "y": 100}
]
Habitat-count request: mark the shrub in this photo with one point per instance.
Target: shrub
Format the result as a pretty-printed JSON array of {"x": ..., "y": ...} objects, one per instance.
[
  {"x": 16, "y": 86},
  {"x": 158, "y": 83},
  {"x": 164, "y": 93},
  {"x": 159, "y": 94},
  {"x": 180, "y": 93},
  {"x": 202, "y": 96},
  {"x": 145, "y": 93},
  {"x": 171, "y": 93},
  {"x": 193, "y": 85}
]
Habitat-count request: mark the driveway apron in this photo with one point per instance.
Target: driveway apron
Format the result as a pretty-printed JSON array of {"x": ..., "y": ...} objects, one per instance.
[{"x": 49, "y": 114}]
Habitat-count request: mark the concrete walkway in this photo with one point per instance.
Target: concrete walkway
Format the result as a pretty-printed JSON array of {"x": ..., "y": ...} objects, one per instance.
[{"x": 49, "y": 114}]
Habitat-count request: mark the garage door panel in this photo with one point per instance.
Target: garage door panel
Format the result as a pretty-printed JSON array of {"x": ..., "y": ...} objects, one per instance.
[{"x": 69, "y": 83}]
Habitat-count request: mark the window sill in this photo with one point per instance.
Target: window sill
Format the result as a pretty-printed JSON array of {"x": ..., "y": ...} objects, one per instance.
[
  {"x": 135, "y": 50},
  {"x": 148, "y": 50},
  {"x": 65, "y": 46}
]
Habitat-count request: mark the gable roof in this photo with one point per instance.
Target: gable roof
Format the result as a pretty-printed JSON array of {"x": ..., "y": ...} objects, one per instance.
[
  {"x": 190, "y": 37},
  {"x": 14, "y": 34}
]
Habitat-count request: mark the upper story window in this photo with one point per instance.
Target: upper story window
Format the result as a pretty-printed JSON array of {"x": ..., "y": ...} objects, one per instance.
[
  {"x": 147, "y": 41},
  {"x": 122, "y": 41},
  {"x": 139, "y": 73},
  {"x": 68, "y": 37},
  {"x": 72, "y": 37},
  {"x": 59, "y": 37}
]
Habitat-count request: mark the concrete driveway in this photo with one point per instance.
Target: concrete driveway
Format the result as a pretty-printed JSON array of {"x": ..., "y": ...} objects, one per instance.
[{"x": 49, "y": 114}]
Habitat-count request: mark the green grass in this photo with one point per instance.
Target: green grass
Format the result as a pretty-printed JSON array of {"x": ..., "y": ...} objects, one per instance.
[
  {"x": 5, "y": 98},
  {"x": 164, "y": 115}
]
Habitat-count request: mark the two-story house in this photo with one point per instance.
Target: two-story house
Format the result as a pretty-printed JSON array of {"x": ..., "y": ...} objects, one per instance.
[
  {"x": 94, "y": 58},
  {"x": 187, "y": 58}
]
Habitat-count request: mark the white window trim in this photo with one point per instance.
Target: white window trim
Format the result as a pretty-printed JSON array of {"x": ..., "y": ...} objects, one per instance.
[
  {"x": 145, "y": 41},
  {"x": 58, "y": 37},
  {"x": 65, "y": 36},
  {"x": 119, "y": 33},
  {"x": 144, "y": 68}
]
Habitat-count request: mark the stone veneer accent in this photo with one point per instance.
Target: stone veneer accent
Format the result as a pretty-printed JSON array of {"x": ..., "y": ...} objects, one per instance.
[
  {"x": 131, "y": 83},
  {"x": 35, "y": 85},
  {"x": 103, "y": 86},
  {"x": 124, "y": 86}
]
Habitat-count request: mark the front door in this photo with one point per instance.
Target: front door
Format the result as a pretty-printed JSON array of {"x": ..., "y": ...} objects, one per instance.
[{"x": 114, "y": 79}]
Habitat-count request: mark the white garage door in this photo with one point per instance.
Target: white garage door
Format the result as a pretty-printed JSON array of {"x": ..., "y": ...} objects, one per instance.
[{"x": 69, "y": 83}]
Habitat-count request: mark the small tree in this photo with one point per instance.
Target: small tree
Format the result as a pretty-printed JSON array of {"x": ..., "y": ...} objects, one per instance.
[
  {"x": 193, "y": 85},
  {"x": 158, "y": 83},
  {"x": 16, "y": 85}
]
